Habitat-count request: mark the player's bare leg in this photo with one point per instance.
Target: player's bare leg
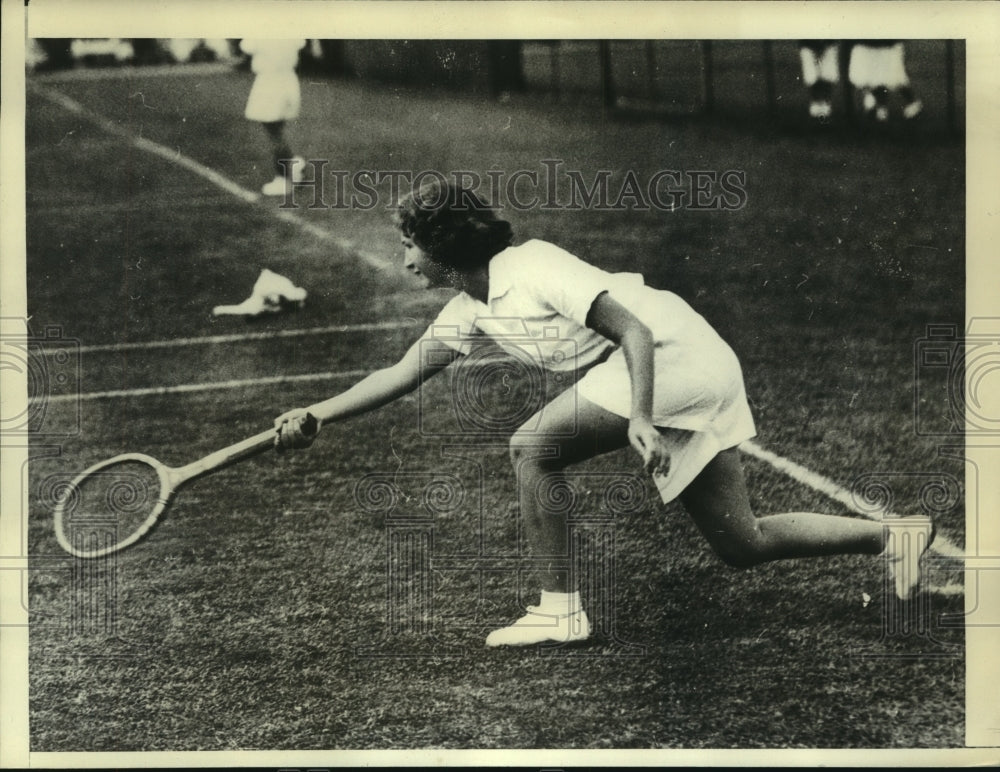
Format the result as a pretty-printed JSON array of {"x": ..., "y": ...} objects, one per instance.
[
  {"x": 568, "y": 430},
  {"x": 718, "y": 503}
]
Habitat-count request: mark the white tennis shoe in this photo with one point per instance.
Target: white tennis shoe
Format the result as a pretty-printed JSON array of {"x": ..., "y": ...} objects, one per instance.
[
  {"x": 907, "y": 540},
  {"x": 538, "y": 627},
  {"x": 279, "y": 186},
  {"x": 820, "y": 109},
  {"x": 913, "y": 109}
]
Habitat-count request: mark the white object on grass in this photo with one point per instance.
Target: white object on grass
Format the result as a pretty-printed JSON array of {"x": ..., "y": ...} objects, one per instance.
[{"x": 271, "y": 293}]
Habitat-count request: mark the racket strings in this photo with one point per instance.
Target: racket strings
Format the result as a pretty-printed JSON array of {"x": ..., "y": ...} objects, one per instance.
[{"x": 110, "y": 505}]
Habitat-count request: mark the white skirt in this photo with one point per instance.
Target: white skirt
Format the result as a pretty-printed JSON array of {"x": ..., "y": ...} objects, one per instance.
[
  {"x": 699, "y": 404},
  {"x": 274, "y": 97}
]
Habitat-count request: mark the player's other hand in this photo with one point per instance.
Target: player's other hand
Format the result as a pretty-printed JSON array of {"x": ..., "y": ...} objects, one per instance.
[
  {"x": 648, "y": 442},
  {"x": 295, "y": 429}
]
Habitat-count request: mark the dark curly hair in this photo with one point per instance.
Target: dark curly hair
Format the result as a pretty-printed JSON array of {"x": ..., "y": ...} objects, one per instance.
[{"x": 452, "y": 225}]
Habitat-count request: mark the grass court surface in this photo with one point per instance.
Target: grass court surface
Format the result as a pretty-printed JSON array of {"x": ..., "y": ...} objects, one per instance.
[{"x": 278, "y": 606}]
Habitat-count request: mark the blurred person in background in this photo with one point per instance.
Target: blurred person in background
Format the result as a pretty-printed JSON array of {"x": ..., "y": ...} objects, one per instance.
[
  {"x": 275, "y": 98},
  {"x": 877, "y": 69},
  {"x": 820, "y": 73}
]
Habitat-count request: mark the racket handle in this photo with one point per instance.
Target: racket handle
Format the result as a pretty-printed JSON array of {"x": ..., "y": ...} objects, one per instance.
[
  {"x": 220, "y": 459},
  {"x": 251, "y": 446}
]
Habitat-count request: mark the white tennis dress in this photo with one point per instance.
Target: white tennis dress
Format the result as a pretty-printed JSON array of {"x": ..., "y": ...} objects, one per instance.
[
  {"x": 540, "y": 295},
  {"x": 275, "y": 94}
]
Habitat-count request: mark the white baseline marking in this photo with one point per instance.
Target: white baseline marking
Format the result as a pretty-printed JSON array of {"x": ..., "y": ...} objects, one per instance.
[
  {"x": 129, "y": 72},
  {"x": 241, "y": 337},
  {"x": 189, "y": 388},
  {"x": 219, "y": 180},
  {"x": 56, "y": 209}
]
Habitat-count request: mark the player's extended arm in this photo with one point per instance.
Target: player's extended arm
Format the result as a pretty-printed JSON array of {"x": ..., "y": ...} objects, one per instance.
[
  {"x": 425, "y": 358},
  {"x": 615, "y": 322}
]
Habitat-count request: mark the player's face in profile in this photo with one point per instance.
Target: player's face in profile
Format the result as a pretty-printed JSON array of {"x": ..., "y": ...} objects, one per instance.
[{"x": 421, "y": 265}]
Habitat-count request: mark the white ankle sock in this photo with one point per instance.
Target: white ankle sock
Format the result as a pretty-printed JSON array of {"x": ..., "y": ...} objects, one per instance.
[{"x": 560, "y": 602}]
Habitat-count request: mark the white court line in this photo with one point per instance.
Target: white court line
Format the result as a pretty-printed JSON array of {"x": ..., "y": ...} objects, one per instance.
[
  {"x": 238, "y": 191},
  {"x": 241, "y": 337},
  {"x": 127, "y": 72},
  {"x": 190, "y": 388},
  {"x": 126, "y": 207}
]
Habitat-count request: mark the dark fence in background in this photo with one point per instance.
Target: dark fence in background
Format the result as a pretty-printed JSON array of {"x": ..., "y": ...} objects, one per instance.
[
  {"x": 725, "y": 77},
  {"x": 672, "y": 78},
  {"x": 490, "y": 67}
]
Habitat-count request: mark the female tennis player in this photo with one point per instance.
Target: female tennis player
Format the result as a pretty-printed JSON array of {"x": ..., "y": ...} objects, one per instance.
[{"x": 658, "y": 378}]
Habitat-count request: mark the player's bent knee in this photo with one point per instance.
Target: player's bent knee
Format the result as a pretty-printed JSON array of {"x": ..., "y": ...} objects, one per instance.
[
  {"x": 528, "y": 450},
  {"x": 740, "y": 554}
]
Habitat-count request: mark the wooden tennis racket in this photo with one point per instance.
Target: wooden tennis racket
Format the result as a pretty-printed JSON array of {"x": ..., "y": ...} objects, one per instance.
[{"x": 115, "y": 503}]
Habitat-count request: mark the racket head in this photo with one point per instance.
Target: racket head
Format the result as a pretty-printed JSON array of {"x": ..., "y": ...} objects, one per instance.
[{"x": 112, "y": 505}]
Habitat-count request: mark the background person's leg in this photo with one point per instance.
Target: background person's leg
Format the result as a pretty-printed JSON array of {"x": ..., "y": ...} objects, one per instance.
[{"x": 280, "y": 150}]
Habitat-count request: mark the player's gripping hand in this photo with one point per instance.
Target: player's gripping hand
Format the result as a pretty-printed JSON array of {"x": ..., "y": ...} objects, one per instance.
[
  {"x": 648, "y": 442},
  {"x": 295, "y": 429}
]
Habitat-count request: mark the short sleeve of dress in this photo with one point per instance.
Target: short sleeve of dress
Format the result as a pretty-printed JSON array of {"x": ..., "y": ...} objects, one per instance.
[
  {"x": 455, "y": 323},
  {"x": 562, "y": 281}
]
